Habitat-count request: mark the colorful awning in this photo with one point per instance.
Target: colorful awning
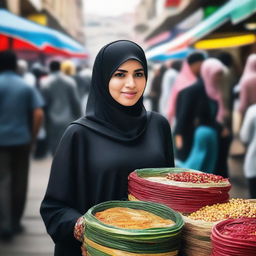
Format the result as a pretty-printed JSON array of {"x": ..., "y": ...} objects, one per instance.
[
  {"x": 225, "y": 42},
  {"x": 234, "y": 11},
  {"x": 35, "y": 36}
]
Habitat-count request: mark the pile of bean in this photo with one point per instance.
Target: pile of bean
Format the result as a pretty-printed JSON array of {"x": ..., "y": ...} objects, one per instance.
[
  {"x": 194, "y": 177},
  {"x": 235, "y": 208}
]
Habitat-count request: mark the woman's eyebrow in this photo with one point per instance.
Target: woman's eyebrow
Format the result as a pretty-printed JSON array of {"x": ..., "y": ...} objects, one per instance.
[
  {"x": 125, "y": 71},
  {"x": 121, "y": 70}
]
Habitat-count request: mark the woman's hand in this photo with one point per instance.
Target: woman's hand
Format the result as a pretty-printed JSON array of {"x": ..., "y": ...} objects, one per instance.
[
  {"x": 79, "y": 229},
  {"x": 84, "y": 252}
]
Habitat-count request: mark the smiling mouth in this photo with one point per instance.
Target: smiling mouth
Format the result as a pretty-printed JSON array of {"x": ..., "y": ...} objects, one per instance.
[{"x": 129, "y": 94}]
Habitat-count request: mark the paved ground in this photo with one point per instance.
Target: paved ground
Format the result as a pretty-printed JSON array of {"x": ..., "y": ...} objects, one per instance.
[{"x": 35, "y": 242}]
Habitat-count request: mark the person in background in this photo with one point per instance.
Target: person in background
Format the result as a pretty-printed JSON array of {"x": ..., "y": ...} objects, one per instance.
[
  {"x": 168, "y": 81},
  {"x": 248, "y": 137},
  {"x": 231, "y": 79},
  {"x": 214, "y": 74},
  {"x": 156, "y": 87},
  {"x": 98, "y": 152},
  {"x": 41, "y": 147},
  {"x": 247, "y": 87},
  {"x": 62, "y": 104},
  {"x": 203, "y": 155},
  {"x": 83, "y": 79},
  {"x": 188, "y": 75},
  {"x": 20, "y": 119},
  {"x": 40, "y": 72},
  {"x": 22, "y": 70},
  {"x": 205, "y": 93},
  {"x": 68, "y": 68}
]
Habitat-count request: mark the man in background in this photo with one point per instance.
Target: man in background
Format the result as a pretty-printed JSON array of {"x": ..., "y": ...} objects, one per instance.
[
  {"x": 20, "y": 119},
  {"x": 62, "y": 104}
]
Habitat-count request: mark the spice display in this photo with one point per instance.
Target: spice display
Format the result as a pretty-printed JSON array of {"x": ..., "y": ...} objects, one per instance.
[
  {"x": 198, "y": 225},
  {"x": 234, "y": 237},
  {"x": 194, "y": 177},
  {"x": 183, "y": 190},
  {"x": 102, "y": 238},
  {"x": 123, "y": 217},
  {"x": 235, "y": 208}
]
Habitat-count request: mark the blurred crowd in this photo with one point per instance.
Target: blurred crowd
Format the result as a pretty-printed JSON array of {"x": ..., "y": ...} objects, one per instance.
[
  {"x": 37, "y": 103},
  {"x": 207, "y": 101},
  {"x": 64, "y": 88}
]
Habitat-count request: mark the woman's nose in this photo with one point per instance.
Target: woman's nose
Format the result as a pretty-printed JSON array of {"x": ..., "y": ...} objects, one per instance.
[{"x": 130, "y": 81}]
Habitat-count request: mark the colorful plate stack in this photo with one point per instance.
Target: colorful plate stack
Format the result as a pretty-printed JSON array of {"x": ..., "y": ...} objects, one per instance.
[
  {"x": 108, "y": 239},
  {"x": 183, "y": 190},
  {"x": 198, "y": 225},
  {"x": 234, "y": 237}
]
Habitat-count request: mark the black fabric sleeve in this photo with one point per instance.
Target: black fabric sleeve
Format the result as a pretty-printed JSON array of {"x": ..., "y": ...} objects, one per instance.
[
  {"x": 59, "y": 207},
  {"x": 169, "y": 148},
  {"x": 168, "y": 144},
  {"x": 184, "y": 108}
]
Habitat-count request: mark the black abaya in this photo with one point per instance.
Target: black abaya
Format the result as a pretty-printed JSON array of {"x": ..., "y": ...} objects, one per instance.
[
  {"x": 97, "y": 152},
  {"x": 90, "y": 168}
]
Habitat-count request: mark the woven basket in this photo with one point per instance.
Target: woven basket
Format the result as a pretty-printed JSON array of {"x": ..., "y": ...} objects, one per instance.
[
  {"x": 180, "y": 196},
  {"x": 196, "y": 238},
  {"x": 234, "y": 237},
  {"x": 102, "y": 239}
]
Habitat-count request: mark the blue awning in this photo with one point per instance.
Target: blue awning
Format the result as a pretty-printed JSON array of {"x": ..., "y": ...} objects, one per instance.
[{"x": 37, "y": 35}]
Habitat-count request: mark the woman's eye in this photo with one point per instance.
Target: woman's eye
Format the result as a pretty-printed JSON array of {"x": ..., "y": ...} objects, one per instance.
[
  {"x": 139, "y": 74},
  {"x": 119, "y": 74}
]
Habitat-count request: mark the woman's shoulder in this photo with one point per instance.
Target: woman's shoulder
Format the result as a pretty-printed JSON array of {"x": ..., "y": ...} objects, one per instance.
[
  {"x": 158, "y": 118},
  {"x": 74, "y": 129}
]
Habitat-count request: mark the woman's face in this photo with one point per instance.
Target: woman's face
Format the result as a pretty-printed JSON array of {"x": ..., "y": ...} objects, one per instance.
[{"x": 127, "y": 83}]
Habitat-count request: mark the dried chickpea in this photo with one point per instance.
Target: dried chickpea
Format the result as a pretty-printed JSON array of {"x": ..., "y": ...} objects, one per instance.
[{"x": 235, "y": 208}]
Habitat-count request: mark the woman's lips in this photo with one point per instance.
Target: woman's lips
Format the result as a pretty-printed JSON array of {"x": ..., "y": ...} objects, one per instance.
[{"x": 129, "y": 95}]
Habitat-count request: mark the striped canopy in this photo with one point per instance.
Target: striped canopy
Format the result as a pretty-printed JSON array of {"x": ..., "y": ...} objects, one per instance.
[
  {"x": 32, "y": 36},
  {"x": 234, "y": 11}
]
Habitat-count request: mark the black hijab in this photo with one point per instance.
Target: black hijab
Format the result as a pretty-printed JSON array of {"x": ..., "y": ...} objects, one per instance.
[{"x": 103, "y": 113}]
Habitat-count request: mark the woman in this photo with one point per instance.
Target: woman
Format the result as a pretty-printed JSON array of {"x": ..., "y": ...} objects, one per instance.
[
  {"x": 204, "y": 149},
  {"x": 214, "y": 73},
  {"x": 188, "y": 75},
  {"x": 204, "y": 95},
  {"x": 97, "y": 152},
  {"x": 247, "y": 86}
]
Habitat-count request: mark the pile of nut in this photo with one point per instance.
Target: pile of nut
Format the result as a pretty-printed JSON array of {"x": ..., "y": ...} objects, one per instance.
[
  {"x": 235, "y": 208},
  {"x": 196, "y": 177}
]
